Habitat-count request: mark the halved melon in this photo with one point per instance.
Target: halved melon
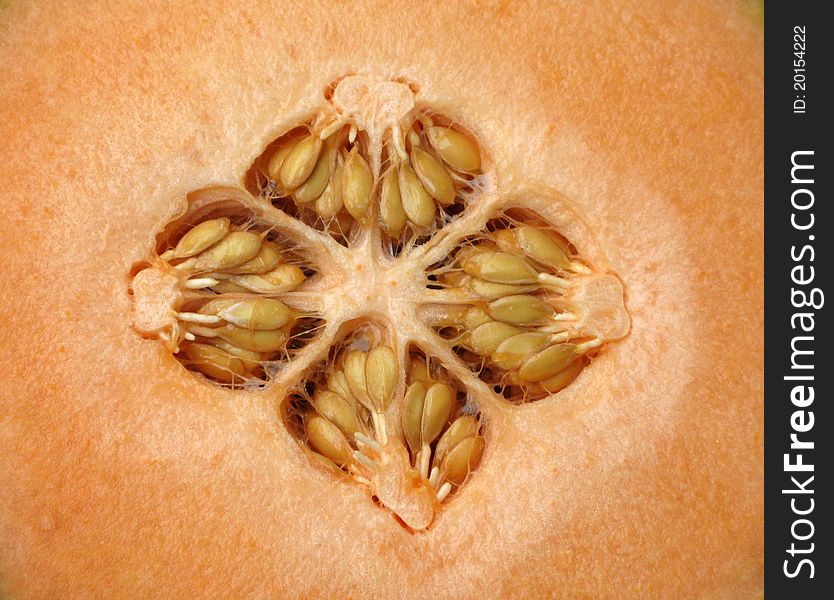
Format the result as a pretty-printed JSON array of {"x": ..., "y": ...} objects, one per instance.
[{"x": 355, "y": 300}]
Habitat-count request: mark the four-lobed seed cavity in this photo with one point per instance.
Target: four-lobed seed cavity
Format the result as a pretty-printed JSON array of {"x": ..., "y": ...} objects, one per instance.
[
  {"x": 523, "y": 310},
  {"x": 247, "y": 288},
  {"x": 401, "y": 172},
  {"x": 399, "y": 425},
  {"x": 228, "y": 308}
]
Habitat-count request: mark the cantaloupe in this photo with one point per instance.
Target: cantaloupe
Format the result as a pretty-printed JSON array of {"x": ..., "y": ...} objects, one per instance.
[{"x": 332, "y": 300}]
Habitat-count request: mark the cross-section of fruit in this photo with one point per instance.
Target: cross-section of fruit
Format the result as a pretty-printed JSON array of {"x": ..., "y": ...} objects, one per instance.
[
  {"x": 399, "y": 425},
  {"x": 523, "y": 309},
  {"x": 220, "y": 295}
]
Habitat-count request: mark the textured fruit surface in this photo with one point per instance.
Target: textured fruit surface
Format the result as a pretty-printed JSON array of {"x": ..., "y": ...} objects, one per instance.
[{"x": 128, "y": 471}]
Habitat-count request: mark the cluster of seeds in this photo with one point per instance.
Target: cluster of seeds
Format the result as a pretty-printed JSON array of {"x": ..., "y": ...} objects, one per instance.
[
  {"x": 444, "y": 446},
  {"x": 426, "y": 169},
  {"x": 349, "y": 411},
  {"x": 323, "y": 172},
  {"x": 227, "y": 328},
  {"x": 217, "y": 256},
  {"x": 513, "y": 325},
  {"x": 346, "y": 417}
]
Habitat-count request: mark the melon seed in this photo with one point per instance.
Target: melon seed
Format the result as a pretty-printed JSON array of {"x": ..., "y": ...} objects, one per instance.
[
  {"x": 215, "y": 363},
  {"x": 547, "y": 363},
  {"x": 511, "y": 353},
  {"x": 500, "y": 267},
  {"x": 326, "y": 439},
  {"x": 268, "y": 257},
  {"x": 391, "y": 205},
  {"x": 233, "y": 250},
  {"x": 465, "y": 426},
  {"x": 273, "y": 168},
  {"x": 201, "y": 237},
  {"x": 542, "y": 248},
  {"x": 258, "y": 313},
  {"x": 283, "y": 278},
  {"x": 251, "y": 360},
  {"x": 461, "y": 459},
  {"x": 381, "y": 373},
  {"x": 491, "y": 290},
  {"x": 337, "y": 383},
  {"x": 354, "y": 367},
  {"x": 257, "y": 341},
  {"x": 455, "y": 148},
  {"x": 300, "y": 162},
  {"x": 561, "y": 379},
  {"x": 317, "y": 182},
  {"x": 357, "y": 182},
  {"x": 338, "y": 410},
  {"x": 330, "y": 202},
  {"x": 414, "y": 401},
  {"x": 437, "y": 408},
  {"x": 417, "y": 203},
  {"x": 521, "y": 309},
  {"x": 485, "y": 338},
  {"x": 418, "y": 371},
  {"x": 433, "y": 176}
]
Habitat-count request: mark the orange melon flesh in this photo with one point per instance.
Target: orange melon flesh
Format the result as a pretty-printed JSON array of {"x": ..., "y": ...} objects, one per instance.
[{"x": 123, "y": 475}]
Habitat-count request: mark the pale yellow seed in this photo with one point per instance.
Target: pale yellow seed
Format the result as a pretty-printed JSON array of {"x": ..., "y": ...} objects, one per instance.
[
  {"x": 326, "y": 439},
  {"x": 215, "y": 363},
  {"x": 214, "y": 306},
  {"x": 541, "y": 247},
  {"x": 330, "y": 202},
  {"x": 381, "y": 372},
  {"x": 413, "y": 415},
  {"x": 357, "y": 182},
  {"x": 338, "y": 410},
  {"x": 433, "y": 176},
  {"x": 485, "y": 338},
  {"x": 319, "y": 178},
  {"x": 273, "y": 168},
  {"x": 461, "y": 459},
  {"x": 520, "y": 310},
  {"x": 201, "y": 237},
  {"x": 227, "y": 287},
  {"x": 326, "y": 462},
  {"x": 474, "y": 316},
  {"x": 283, "y": 278},
  {"x": 456, "y": 149},
  {"x": 417, "y": 203},
  {"x": 418, "y": 370},
  {"x": 561, "y": 379},
  {"x": 512, "y": 352},
  {"x": 268, "y": 257},
  {"x": 233, "y": 250},
  {"x": 337, "y": 383},
  {"x": 454, "y": 279},
  {"x": 354, "y": 369},
  {"x": 465, "y": 426},
  {"x": 391, "y": 205},
  {"x": 547, "y": 363},
  {"x": 300, "y": 162},
  {"x": 258, "y": 313},
  {"x": 491, "y": 290},
  {"x": 257, "y": 341},
  {"x": 437, "y": 408},
  {"x": 500, "y": 267},
  {"x": 251, "y": 360}
]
